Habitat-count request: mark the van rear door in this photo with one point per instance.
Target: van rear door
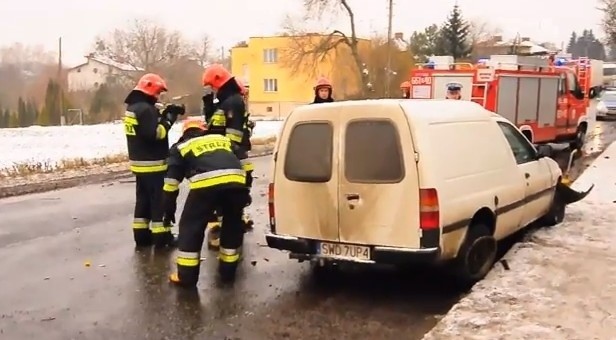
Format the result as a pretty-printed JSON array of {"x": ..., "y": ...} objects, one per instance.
[
  {"x": 306, "y": 175},
  {"x": 379, "y": 187}
]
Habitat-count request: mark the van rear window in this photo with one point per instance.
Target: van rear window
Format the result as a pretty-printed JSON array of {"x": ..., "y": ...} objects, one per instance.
[
  {"x": 372, "y": 152},
  {"x": 309, "y": 153}
]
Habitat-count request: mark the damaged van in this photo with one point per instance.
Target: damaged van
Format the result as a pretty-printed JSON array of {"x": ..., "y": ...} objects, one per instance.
[{"x": 402, "y": 181}]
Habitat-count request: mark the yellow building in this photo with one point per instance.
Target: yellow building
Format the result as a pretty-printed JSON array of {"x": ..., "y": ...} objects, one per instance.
[{"x": 282, "y": 70}]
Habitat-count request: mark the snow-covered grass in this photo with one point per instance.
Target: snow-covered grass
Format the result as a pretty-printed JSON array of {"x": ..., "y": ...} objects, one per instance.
[
  {"x": 36, "y": 148},
  {"x": 562, "y": 281}
]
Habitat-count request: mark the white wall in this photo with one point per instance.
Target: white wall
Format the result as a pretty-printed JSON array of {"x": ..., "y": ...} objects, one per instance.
[{"x": 89, "y": 76}]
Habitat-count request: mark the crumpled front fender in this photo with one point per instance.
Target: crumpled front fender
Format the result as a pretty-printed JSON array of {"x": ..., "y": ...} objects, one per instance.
[{"x": 568, "y": 195}]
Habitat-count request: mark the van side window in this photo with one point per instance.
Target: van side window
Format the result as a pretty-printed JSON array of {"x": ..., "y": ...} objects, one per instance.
[
  {"x": 522, "y": 150},
  {"x": 372, "y": 152},
  {"x": 309, "y": 153}
]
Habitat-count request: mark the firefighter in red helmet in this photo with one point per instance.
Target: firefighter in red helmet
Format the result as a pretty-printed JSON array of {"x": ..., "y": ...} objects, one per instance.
[
  {"x": 229, "y": 118},
  {"x": 215, "y": 181},
  {"x": 323, "y": 91},
  {"x": 147, "y": 132},
  {"x": 405, "y": 88}
]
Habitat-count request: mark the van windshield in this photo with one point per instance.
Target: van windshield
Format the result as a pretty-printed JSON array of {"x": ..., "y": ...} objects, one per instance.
[
  {"x": 372, "y": 152},
  {"x": 309, "y": 153}
]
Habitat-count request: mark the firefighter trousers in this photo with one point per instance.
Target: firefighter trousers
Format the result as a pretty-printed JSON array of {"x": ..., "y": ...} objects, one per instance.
[
  {"x": 200, "y": 206},
  {"x": 148, "y": 224},
  {"x": 215, "y": 221}
]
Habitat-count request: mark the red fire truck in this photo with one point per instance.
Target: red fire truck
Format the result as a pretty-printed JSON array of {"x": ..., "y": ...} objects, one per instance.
[{"x": 548, "y": 100}]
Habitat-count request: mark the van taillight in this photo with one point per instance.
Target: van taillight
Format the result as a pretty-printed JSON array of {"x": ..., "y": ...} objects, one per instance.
[
  {"x": 428, "y": 209},
  {"x": 270, "y": 206}
]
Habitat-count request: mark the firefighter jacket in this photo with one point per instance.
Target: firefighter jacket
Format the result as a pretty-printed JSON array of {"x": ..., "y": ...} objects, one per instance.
[
  {"x": 231, "y": 120},
  {"x": 146, "y": 138},
  {"x": 206, "y": 161}
]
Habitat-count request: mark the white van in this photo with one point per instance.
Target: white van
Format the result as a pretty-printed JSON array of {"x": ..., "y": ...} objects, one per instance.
[{"x": 399, "y": 181}]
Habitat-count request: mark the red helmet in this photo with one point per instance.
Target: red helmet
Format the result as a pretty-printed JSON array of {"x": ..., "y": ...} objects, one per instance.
[
  {"x": 323, "y": 83},
  {"x": 406, "y": 85},
  {"x": 152, "y": 85},
  {"x": 216, "y": 76}
]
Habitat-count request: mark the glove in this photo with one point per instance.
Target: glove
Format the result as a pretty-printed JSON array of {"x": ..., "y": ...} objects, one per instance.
[
  {"x": 208, "y": 106},
  {"x": 172, "y": 111}
]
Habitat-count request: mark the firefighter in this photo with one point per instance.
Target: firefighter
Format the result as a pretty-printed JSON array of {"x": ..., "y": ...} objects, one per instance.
[
  {"x": 405, "y": 88},
  {"x": 323, "y": 91},
  {"x": 228, "y": 117},
  {"x": 146, "y": 132},
  {"x": 454, "y": 91},
  {"x": 216, "y": 181},
  {"x": 248, "y": 129}
]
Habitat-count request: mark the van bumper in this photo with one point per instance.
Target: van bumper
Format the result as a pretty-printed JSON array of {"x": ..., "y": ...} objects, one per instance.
[{"x": 305, "y": 249}]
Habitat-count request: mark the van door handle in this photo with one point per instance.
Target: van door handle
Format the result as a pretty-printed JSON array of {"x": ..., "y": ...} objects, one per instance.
[
  {"x": 527, "y": 175},
  {"x": 352, "y": 197}
]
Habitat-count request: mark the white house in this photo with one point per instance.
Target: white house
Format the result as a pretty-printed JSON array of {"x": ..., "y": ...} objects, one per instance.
[{"x": 95, "y": 71}]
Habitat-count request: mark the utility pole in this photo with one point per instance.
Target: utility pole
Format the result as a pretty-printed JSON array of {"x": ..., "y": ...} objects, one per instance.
[
  {"x": 59, "y": 83},
  {"x": 389, "y": 48}
]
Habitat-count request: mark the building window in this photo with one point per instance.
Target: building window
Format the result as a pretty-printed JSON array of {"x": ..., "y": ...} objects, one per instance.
[
  {"x": 78, "y": 70},
  {"x": 269, "y": 109},
  {"x": 270, "y": 85},
  {"x": 96, "y": 84},
  {"x": 270, "y": 55},
  {"x": 95, "y": 70}
]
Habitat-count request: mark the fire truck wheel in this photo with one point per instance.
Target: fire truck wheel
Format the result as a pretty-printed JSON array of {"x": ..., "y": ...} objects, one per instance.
[{"x": 580, "y": 137}]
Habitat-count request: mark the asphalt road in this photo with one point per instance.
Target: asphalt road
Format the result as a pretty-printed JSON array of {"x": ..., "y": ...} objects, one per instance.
[{"x": 70, "y": 271}]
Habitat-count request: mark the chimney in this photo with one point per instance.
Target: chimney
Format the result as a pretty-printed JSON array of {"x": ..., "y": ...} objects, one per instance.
[
  {"x": 399, "y": 36},
  {"x": 525, "y": 39}
]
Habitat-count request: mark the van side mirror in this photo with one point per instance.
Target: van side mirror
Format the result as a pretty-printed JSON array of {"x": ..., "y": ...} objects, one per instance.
[
  {"x": 594, "y": 92},
  {"x": 544, "y": 151}
]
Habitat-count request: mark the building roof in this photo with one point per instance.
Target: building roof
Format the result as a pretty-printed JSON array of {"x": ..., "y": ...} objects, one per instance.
[{"x": 109, "y": 62}]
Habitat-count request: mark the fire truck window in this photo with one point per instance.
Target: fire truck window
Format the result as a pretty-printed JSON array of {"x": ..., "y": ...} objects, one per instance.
[
  {"x": 572, "y": 84},
  {"x": 522, "y": 150},
  {"x": 561, "y": 84},
  {"x": 309, "y": 153}
]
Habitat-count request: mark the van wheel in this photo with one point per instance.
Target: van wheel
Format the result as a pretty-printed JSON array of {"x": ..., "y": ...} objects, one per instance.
[
  {"x": 324, "y": 271},
  {"x": 556, "y": 214},
  {"x": 476, "y": 256}
]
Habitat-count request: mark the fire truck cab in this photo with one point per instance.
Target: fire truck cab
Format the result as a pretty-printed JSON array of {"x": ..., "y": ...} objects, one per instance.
[{"x": 548, "y": 99}]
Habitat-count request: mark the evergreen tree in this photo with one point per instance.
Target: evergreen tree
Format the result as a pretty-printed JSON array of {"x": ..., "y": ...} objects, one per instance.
[
  {"x": 572, "y": 42},
  {"x": 455, "y": 35},
  {"x": 32, "y": 111},
  {"x": 2, "y": 125},
  {"x": 51, "y": 113},
  {"x": 13, "y": 120}
]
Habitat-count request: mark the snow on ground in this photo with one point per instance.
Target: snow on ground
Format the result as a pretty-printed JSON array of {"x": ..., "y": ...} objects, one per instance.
[
  {"x": 51, "y": 144},
  {"x": 561, "y": 283}
]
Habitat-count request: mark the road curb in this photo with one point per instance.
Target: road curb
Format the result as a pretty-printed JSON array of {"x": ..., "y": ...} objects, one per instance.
[{"x": 69, "y": 182}]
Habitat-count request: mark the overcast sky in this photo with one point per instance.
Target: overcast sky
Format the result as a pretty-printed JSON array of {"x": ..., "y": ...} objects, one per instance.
[{"x": 229, "y": 21}]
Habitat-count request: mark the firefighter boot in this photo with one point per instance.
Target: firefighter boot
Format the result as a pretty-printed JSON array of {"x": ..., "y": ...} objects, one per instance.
[
  {"x": 166, "y": 239},
  {"x": 143, "y": 237},
  {"x": 227, "y": 264},
  {"x": 213, "y": 235}
]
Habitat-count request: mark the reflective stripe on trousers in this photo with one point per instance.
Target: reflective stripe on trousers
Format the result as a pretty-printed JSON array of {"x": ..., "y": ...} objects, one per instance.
[
  {"x": 171, "y": 185},
  {"x": 140, "y": 223},
  {"x": 247, "y": 165},
  {"x": 188, "y": 259},
  {"x": 142, "y": 167},
  {"x": 228, "y": 255},
  {"x": 159, "y": 228},
  {"x": 217, "y": 177}
]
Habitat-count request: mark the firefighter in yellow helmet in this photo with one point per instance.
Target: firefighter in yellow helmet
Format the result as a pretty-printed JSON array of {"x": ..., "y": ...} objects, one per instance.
[
  {"x": 230, "y": 118},
  {"x": 148, "y": 147},
  {"x": 216, "y": 180}
]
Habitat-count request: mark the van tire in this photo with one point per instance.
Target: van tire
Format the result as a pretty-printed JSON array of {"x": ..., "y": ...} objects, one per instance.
[
  {"x": 476, "y": 256},
  {"x": 556, "y": 214},
  {"x": 323, "y": 271}
]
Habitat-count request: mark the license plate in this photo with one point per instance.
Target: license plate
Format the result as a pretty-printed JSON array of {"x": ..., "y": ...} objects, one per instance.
[{"x": 348, "y": 251}]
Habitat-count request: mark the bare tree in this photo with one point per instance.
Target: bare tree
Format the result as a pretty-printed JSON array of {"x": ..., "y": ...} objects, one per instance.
[
  {"x": 144, "y": 45},
  {"x": 482, "y": 31},
  {"x": 608, "y": 7},
  {"x": 307, "y": 51},
  {"x": 201, "y": 50}
]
